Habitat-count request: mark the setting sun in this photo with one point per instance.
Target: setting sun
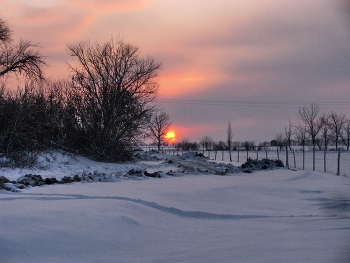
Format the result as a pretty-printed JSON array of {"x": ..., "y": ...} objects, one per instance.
[{"x": 170, "y": 137}]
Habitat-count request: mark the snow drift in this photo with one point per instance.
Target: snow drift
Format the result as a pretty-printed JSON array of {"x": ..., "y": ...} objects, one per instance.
[{"x": 275, "y": 215}]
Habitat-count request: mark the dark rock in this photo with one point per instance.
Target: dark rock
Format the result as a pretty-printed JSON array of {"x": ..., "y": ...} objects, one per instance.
[
  {"x": 154, "y": 175},
  {"x": 67, "y": 180},
  {"x": 3, "y": 181},
  {"x": 19, "y": 186},
  {"x": 263, "y": 164},
  {"x": 76, "y": 178},
  {"x": 31, "y": 179},
  {"x": 51, "y": 181},
  {"x": 171, "y": 173},
  {"x": 135, "y": 172}
]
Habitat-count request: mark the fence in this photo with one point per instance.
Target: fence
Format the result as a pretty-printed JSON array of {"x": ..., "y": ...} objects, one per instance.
[{"x": 336, "y": 162}]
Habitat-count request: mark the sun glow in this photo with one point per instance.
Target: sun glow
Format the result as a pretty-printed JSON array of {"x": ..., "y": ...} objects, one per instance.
[{"x": 170, "y": 136}]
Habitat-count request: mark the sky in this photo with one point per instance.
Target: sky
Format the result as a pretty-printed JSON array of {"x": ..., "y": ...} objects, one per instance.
[{"x": 252, "y": 63}]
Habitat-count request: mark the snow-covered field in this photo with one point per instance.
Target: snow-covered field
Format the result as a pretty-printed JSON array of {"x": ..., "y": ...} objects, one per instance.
[
  {"x": 266, "y": 216},
  {"x": 331, "y": 159}
]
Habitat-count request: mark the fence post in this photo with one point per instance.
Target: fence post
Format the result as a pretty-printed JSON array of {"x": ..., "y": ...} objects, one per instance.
[
  {"x": 303, "y": 157},
  {"x": 287, "y": 158},
  {"x": 338, "y": 170},
  {"x": 222, "y": 155},
  {"x": 278, "y": 155},
  {"x": 314, "y": 158},
  {"x": 238, "y": 154},
  {"x": 215, "y": 154},
  {"x": 247, "y": 155},
  {"x": 266, "y": 154},
  {"x": 295, "y": 163},
  {"x": 325, "y": 160},
  {"x": 257, "y": 154}
]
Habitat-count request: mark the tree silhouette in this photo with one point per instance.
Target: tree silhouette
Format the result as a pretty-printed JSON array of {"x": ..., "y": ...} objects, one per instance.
[
  {"x": 158, "y": 126},
  {"x": 22, "y": 58}
]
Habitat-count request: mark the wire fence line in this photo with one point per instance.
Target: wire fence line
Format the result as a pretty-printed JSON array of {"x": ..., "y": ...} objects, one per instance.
[{"x": 331, "y": 161}]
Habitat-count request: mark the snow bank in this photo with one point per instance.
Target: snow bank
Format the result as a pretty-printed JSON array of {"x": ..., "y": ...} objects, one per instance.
[
  {"x": 269, "y": 216},
  {"x": 59, "y": 167},
  {"x": 58, "y": 164}
]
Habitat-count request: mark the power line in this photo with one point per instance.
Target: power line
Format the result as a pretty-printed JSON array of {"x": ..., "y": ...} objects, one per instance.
[{"x": 270, "y": 104}]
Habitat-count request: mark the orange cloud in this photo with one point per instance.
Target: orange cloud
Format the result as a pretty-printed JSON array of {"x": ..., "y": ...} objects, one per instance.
[
  {"x": 177, "y": 84},
  {"x": 109, "y": 6},
  {"x": 173, "y": 84},
  {"x": 42, "y": 16},
  {"x": 194, "y": 132}
]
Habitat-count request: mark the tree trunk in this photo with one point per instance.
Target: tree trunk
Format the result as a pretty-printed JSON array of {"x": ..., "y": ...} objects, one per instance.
[
  {"x": 303, "y": 156},
  {"x": 314, "y": 157}
]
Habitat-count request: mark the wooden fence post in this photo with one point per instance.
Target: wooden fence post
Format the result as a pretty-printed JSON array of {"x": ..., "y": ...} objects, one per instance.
[
  {"x": 303, "y": 157},
  {"x": 325, "y": 161},
  {"x": 295, "y": 163},
  {"x": 314, "y": 158},
  {"x": 338, "y": 170}
]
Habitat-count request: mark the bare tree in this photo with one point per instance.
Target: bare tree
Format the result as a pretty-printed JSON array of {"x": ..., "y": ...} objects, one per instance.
[
  {"x": 288, "y": 140},
  {"x": 30, "y": 119},
  {"x": 5, "y": 32},
  {"x": 220, "y": 146},
  {"x": 326, "y": 124},
  {"x": 336, "y": 124},
  {"x": 207, "y": 142},
  {"x": 186, "y": 145},
  {"x": 22, "y": 58},
  {"x": 158, "y": 126},
  {"x": 113, "y": 88},
  {"x": 229, "y": 139},
  {"x": 288, "y": 132},
  {"x": 308, "y": 116},
  {"x": 280, "y": 140},
  {"x": 248, "y": 145},
  {"x": 346, "y": 135},
  {"x": 301, "y": 136}
]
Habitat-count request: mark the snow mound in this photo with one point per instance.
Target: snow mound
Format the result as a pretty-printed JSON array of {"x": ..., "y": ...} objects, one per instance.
[{"x": 58, "y": 167}]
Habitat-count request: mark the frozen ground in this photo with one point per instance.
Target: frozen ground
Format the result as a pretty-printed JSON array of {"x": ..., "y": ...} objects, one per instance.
[
  {"x": 266, "y": 216},
  {"x": 331, "y": 159}
]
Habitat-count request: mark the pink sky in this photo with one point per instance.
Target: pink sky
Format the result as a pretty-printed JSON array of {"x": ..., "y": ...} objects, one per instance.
[{"x": 250, "y": 62}]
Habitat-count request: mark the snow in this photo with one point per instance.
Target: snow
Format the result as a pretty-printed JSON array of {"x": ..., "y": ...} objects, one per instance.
[
  {"x": 331, "y": 159},
  {"x": 265, "y": 216},
  {"x": 58, "y": 164}
]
